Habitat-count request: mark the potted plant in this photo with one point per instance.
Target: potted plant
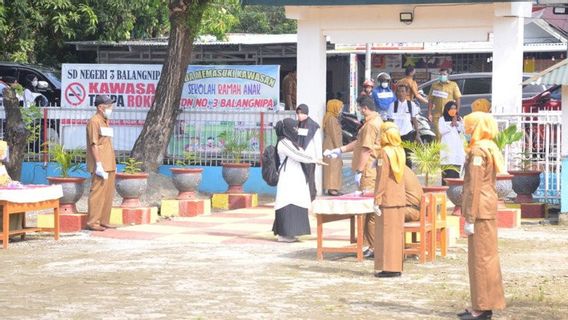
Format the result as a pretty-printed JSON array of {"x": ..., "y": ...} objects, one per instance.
[
  {"x": 503, "y": 139},
  {"x": 235, "y": 173},
  {"x": 526, "y": 178},
  {"x": 131, "y": 183},
  {"x": 73, "y": 187},
  {"x": 185, "y": 179},
  {"x": 427, "y": 160}
]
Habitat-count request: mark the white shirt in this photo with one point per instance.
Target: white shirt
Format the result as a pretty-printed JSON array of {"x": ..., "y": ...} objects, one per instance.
[
  {"x": 453, "y": 151},
  {"x": 401, "y": 117}
]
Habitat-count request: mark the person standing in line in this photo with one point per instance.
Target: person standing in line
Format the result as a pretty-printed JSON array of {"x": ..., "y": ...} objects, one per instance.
[
  {"x": 292, "y": 191},
  {"x": 365, "y": 151},
  {"x": 409, "y": 81},
  {"x": 289, "y": 86},
  {"x": 101, "y": 163},
  {"x": 309, "y": 138},
  {"x": 440, "y": 93},
  {"x": 403, "y": 112},
  {"x": 383, "y": 95},
  {"x": 479, "y": 207},
  {"x": 332, "y": 138},
  {"x": 390, "y": 204},
  {"x": 451, "y": 130}
]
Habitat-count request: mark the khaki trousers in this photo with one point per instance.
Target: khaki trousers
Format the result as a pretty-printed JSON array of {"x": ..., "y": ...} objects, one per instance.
[
  {"x": 485, "y": 281},
  {"x": 411, "y": 214},
  {"x": 100, "y": 199},
  {"x": 368, "y": 184},
  {"x": 389, "y": 243}
]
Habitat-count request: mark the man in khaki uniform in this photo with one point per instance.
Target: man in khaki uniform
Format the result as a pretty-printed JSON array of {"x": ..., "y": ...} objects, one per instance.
[
  {"x": 409, "y": 81},
  {"x": 289, "y": 86},
  {"x": 365, "y": 151},
  {"x": 441, "y": 93},
  {"x": 414, "y": 194},
  {"x": 101, "y": 164}
]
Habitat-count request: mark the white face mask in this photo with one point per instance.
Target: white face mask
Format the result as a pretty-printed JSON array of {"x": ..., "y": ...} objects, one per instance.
[
  {"x": 34, "y": 83},
  {"x": 107, "y": 113},
  {"x": 384, "y": 84}
]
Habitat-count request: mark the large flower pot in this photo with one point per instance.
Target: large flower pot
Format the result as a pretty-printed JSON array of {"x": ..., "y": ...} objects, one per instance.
[
  {"x": 235, "y": 175},
  {"x": 130, "y": 186},
  {"x": 186, "y": 181},
  {"x": 455, "y": 193},
  {"x": 504, "y": 187},
  {"x": 525, "y": 183},
  {"x": 434, "y": 189},
  {"x": 73, "y": 188}
]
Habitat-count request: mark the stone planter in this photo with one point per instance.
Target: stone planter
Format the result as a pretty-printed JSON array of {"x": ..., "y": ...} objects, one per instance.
[
  {"x": 455, "y": 193},
  {"x": 73, "y": 188},
  {"x": 504, "y": 186},
  {"x": 186, "y": 181},
  {"x": 130, "y": 186},
  {"x": 235, "y": 175},
  {"x": 525, "y": 183}
]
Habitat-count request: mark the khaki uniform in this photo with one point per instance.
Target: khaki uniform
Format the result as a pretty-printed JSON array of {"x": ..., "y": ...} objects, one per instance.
[
  {"x": 479, "y": 206},
  {"x": 440, "y": 94},
  {"x": 369, "y": 136},
  {"x": 102, "y": 191},
  {"x": 411, "y": 84},
  {"x": 332, "y": 138},
  {"x": 414, "y": 194},
  {"x": 391, "y": 198},
  {"x": 289, "y": 86}
]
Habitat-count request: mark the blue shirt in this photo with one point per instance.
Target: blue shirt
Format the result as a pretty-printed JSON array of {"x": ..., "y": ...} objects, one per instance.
[{"x": 383, "y": 98}]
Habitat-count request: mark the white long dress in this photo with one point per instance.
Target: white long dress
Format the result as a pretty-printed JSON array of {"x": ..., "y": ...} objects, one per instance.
[
  {"x": 292, "y": 192},
  {"x": 454, "y": 152}
]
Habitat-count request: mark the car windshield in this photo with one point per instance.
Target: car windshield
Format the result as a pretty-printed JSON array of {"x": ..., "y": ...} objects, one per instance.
[
  {"x": 556, "y": 94},
  {"x": 54, "y": 77}
]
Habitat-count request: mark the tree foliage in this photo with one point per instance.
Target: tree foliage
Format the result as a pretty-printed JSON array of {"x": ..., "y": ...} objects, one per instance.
[{"x": 263, "y": 19}]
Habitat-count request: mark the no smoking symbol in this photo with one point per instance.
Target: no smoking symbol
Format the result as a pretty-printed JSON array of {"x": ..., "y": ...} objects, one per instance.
[{"x": 75, "y": 94}]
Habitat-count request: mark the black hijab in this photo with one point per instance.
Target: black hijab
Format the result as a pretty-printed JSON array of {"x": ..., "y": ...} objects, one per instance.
[
  {"x": 447, "y": 108},
  {"x": 287, "y": 128},
  {"x": 309, "y": 124}
]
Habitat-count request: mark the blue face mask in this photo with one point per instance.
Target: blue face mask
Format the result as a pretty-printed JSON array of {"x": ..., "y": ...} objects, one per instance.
[
  {"x": 467, "y": 137},
  {"x": 444, "y": 78}
]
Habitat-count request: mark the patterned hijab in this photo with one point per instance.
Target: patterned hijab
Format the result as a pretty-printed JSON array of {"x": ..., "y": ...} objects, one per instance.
[
  {"x": 333, "y": 110},
  {"x": 483, "y": 128},
  {"x": 391, "y": 143}
]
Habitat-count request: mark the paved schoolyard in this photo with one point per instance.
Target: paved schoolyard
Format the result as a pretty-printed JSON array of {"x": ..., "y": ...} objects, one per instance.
[{"x": 227, "y": 266}]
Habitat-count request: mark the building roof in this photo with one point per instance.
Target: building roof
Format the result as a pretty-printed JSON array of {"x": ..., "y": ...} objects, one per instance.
[
  {"x": 557, "y": 74},
  {"x": 359, "y": 2}
]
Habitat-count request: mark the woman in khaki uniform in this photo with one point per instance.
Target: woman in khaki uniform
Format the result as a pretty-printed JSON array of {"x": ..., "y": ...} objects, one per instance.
[
  {"x": 479, "y": 206},
  {"x": 390, "y": 203},
  {"x": 332, "y": 138}
]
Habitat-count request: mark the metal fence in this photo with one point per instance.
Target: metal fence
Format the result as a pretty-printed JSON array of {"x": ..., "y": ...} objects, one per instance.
[
  {"x": 539, "y": 148},
  {"x": 199, "y": 137}
]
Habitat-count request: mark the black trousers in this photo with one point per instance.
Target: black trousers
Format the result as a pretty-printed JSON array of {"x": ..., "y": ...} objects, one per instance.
[
  {"x": 451, "y": 174},
  {"x": 411, "y": 136}
]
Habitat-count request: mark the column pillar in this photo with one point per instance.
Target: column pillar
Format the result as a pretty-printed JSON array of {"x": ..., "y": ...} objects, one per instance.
[{"x": 564, "y": 152}]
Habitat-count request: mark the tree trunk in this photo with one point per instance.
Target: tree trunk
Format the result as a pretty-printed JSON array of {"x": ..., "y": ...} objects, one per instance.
[
  {"x": 16, "y": 134},
  {"x": 152, "y": 143}
]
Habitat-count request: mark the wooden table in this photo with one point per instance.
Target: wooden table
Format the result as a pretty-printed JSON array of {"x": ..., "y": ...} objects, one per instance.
[
  {"x": 354, "y": 208},
  {"x": 29, "y": 198}
]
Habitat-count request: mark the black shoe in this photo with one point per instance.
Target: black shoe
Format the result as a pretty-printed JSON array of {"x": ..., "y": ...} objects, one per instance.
[
  {"x": 463, "y": 313},
  {"x": 388, "y": 274},
  {"x": 334, "y": 193},
  {"x": 485, "y": 315},
  {"x": 369, "y": 254}
]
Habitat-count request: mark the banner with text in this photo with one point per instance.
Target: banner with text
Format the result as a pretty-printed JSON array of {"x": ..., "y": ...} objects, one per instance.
[{"x": 249, "y": 87}]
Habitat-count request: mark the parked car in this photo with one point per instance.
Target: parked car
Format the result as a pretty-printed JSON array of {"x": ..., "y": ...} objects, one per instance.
[
  {"x": 49, "y": 79},
  {"x": 477, "y": 85},
  {"x": 547, "y": 100}
]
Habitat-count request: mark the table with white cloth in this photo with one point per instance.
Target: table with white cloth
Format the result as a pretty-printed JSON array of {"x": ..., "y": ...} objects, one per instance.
[
  {"x": 18, "y": 201},
  {"x": 351, "y": 206}
]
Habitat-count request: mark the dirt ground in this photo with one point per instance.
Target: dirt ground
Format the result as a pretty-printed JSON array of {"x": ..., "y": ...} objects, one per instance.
[{"x": 82, "y": 277}]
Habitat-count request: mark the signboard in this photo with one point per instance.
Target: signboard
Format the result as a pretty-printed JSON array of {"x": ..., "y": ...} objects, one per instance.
[{"x": 248, "y": 87}]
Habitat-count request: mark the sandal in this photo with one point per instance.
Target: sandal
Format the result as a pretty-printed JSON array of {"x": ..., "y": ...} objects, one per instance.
[{"x": 334, "y": 193}]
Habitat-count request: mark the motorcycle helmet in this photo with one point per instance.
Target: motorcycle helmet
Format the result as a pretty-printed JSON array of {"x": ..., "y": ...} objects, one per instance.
[
  {"x": 383, "y": 77},
  {"x": 368, "y": 83}
]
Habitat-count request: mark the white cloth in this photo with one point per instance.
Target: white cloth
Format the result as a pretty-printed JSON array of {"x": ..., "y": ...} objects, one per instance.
[
  {"x": 401, "y": 117},
  {"x": 29, "y": 98},
  {"x": 292, "y": 187},
  {"x": 346, "y": 204},
  {"x": 453, "y": 152},
  {"x": 314, "y": 148},
  {"x": 31, "y": 193}
]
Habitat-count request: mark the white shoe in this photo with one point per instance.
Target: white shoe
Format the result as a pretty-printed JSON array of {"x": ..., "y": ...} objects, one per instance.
[{"x": 286, "y": 239}]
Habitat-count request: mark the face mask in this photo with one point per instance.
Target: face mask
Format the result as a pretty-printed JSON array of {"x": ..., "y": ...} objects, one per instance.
[
  {"x": 34, "y": 83},
  {"x": 452, "y": 112},
  {"x": 385, "y": 85},
  {"x": 444, "y": 78},
  {"x": 107, "y": 113}
]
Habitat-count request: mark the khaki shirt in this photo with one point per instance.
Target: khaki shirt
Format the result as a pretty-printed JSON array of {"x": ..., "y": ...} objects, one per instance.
[
  {"x": 411, "y": 84},
  {"x": 369, "y": 136},
  {"x": 100, "y": 138},
  {"x": 289, "y": 87},
  {"x": 479, "y": 192},
  {"x": 388, "y": 193},
  {"x": 440, "y": 93},
  {"x": 413, "y": 188}
]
